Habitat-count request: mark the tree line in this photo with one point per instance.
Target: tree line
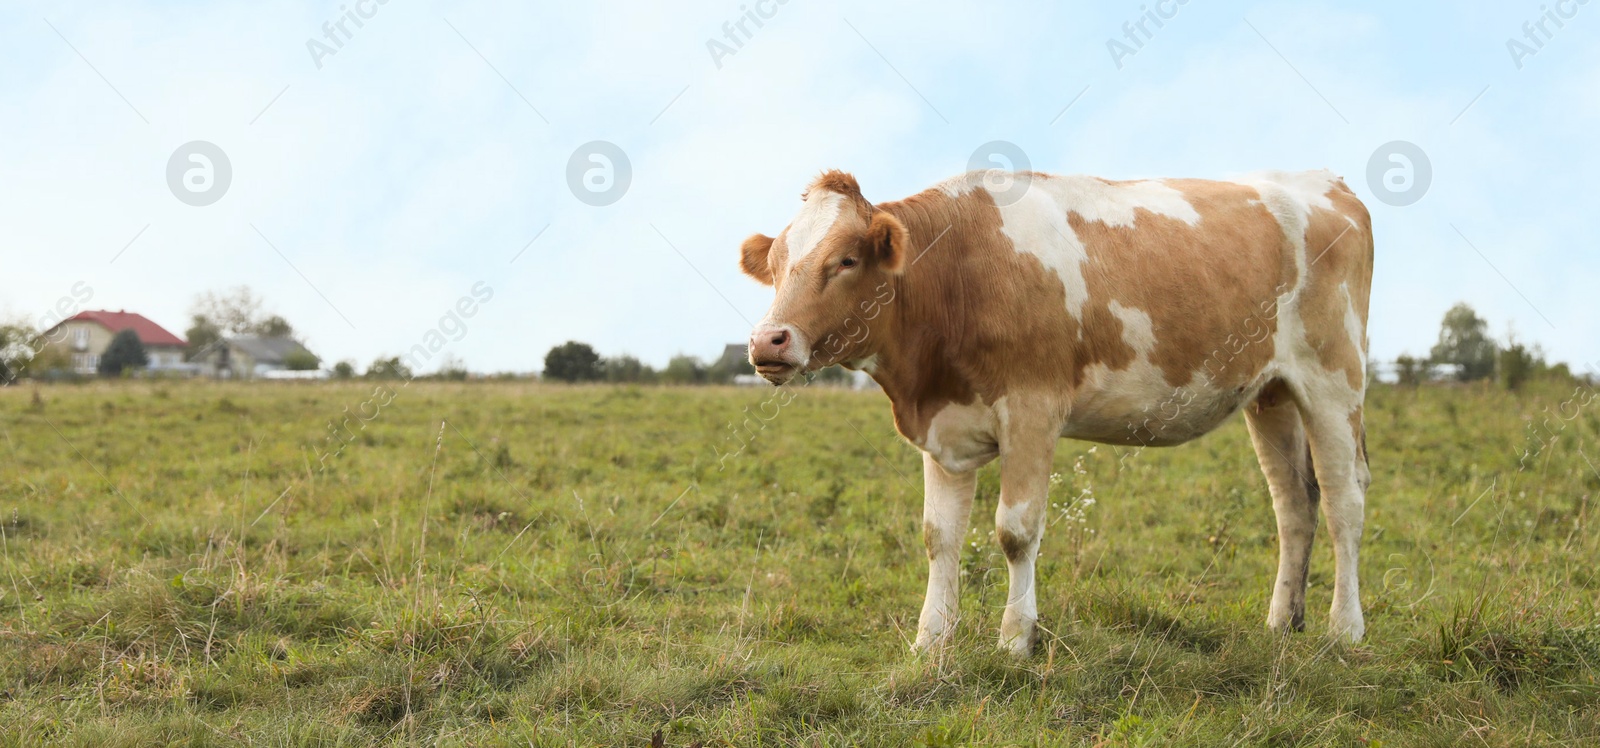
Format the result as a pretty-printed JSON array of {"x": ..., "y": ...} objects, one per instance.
[
  {"x": 574, "y": 362},
  {"x": 1466, "y": 352}
]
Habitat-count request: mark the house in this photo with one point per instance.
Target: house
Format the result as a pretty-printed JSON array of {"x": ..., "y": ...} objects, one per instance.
[
  {"x": 254, "y": 356},
  {"x": 735, "y": 360},
  {"x": 87, "y": 334}
]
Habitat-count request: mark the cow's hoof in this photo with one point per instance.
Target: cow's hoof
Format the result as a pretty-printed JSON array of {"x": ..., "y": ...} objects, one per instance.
[
  {"x": 1288, "y": 624},
  {"x": 1349, "y": 631},
  {"x": 930, "y": 642},
  {"x": 1020, "y": 643}
]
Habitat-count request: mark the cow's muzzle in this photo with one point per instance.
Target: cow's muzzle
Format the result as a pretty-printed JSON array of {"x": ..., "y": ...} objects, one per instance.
[{"x": 777, "y": 352}]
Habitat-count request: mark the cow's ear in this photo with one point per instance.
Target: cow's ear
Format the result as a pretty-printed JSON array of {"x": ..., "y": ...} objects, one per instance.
[
  {"x": 753, "y": 258},
  {"x": 888, "y": 241}
]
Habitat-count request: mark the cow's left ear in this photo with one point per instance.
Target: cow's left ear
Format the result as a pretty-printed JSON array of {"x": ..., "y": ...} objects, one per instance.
[
  {"x": 888, "y": 241},
  {"x": 753, "y": 258}
]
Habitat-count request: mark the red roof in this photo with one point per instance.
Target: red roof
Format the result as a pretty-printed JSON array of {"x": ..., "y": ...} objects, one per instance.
[{"x": 149, "y": 332}]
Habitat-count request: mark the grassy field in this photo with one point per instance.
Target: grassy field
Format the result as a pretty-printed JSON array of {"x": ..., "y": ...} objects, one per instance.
[{"x": 523, "y": 564}]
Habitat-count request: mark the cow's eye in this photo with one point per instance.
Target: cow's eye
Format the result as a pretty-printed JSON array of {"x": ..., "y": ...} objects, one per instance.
[{"x": 848, "y": 262}]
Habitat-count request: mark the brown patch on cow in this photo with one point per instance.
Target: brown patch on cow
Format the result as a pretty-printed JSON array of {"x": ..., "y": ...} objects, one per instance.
[
  {"x": 1358, "y": 430},
  {"x": 930, "y": 539},
  {"x": 1015, "y": 547},
  {"x": 1202, "y": 285},
  {"x": 1339, "y": 276}
]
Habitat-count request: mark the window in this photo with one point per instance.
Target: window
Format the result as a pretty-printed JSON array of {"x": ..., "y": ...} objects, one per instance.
[{"x": 80, "y": 338}]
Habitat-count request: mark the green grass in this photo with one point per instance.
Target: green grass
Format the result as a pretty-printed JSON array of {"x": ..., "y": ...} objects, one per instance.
[{"x": 516, "y": 564}]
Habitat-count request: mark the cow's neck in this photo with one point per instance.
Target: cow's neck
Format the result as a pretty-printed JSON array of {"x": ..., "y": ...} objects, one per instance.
[{"x": 917, "y": 361}]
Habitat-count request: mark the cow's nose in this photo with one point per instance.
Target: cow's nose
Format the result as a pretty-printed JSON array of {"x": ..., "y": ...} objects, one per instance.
[{"x": 770, "y": 344}]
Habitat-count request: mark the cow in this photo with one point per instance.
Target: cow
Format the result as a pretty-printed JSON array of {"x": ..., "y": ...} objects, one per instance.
[{"x": 1003, "y": 311}]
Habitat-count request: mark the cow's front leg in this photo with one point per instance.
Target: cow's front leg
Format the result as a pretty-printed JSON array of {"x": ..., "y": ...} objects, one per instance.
[
  {"x": 946, "y": 506},
  {"x": 1025, "y": 455}
]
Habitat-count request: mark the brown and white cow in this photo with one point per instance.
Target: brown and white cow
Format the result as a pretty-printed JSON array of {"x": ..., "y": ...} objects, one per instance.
[{"x": 1131, "y": 313}]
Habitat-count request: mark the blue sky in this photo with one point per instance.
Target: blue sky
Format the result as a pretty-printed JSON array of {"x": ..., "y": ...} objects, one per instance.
[{"x": 369, "y": 194}]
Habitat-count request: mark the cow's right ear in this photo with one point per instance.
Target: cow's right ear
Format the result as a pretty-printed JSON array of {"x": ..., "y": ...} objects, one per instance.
[{"x": 753, "y": 258}]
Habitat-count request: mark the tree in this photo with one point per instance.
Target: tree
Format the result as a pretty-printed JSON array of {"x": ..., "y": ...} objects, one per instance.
[
  {"x": 684, "y": 369},
  {"x": 301, "y": 361},
  {"x": 202, "y": 333},
  {"x": 50, "y": 360},
  {"x": 1518, "y": 363},
  {"x": 573, "y": 362},
  {"x": 1409, "y": 370},
  {"x": 273, "y": 327},
  {"x": 626, "y": 368},
  {"x": 1514, "y": 367},
  {"x": 452, "y": 368},
  {"x": 237, "y": 311},
  {"x": 344, "y": 370},
  {"x": 16, "y": 350},
  {"x": 834, "y": 375},
  {"x": 125, "y": 352},
  {"x": 388, "y": 368},
  {"x": 1464, "y": 341}
]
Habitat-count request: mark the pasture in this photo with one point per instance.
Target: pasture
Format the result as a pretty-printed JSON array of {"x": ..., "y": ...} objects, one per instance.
[{"x": 512, "y": 563}]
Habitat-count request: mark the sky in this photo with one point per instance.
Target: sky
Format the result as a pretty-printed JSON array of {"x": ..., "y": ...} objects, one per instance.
[{"x": 377, "y": 173}]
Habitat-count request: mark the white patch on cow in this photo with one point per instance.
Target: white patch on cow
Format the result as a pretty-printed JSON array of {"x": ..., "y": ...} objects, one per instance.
[
  {"x": 1037, "y": 222},
  {"x": 1136, "y": 404},
  {"x": 1091, "y": 198},
  {"x": 1138, "y": 330},
  {"x": 959, "y": 184},
  {"x": 964, "y": 183},
  {"x": 1352, "y": 325},
  {"x": 1118, "y": 204},
  {"x": 962, "y": 437},
  {"x": 1037, "y": 225},
  {"x": 811, "y": 225},
  {"x": 868, "y": 364},
  {"x": 1309, "y": 188},
  {"x": 1294, "y": 218}
]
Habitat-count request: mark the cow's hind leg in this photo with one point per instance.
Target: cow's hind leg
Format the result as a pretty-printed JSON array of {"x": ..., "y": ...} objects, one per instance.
[
  {"x": 1280, "y": 441},
  {"x": 946, "y": 508},
  {"x": 1338, "y": 451}
]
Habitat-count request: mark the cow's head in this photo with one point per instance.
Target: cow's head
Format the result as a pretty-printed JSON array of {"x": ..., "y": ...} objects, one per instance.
[{"x": 831, "y": 268}]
